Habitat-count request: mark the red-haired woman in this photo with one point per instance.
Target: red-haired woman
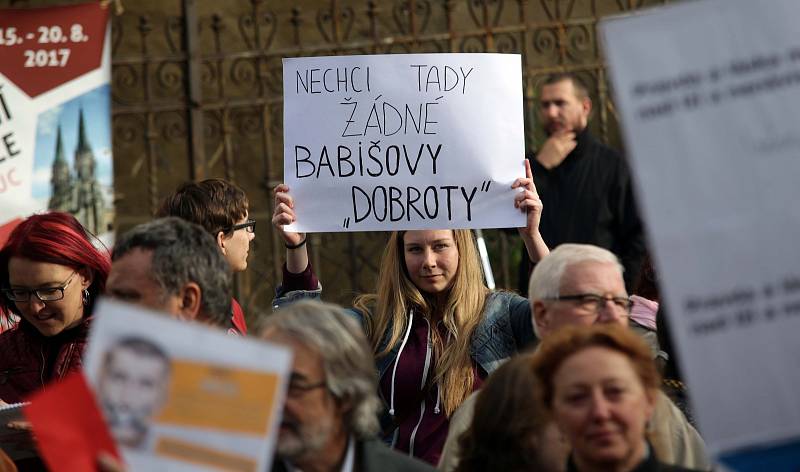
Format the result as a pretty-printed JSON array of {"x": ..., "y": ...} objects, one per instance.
[{"x": 50, "y": 276}]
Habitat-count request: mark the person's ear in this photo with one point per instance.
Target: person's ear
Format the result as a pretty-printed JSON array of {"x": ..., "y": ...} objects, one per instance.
[
  {"x": 191, "y": 298},
  {"x": 221, "y": 240},
  {"x": 87, "y": 277},
  {"x": 345, "y": 406},
  {"x": 541, "y": 317},
  {"x": 651, "y": 396},
  {"x": 586, "y": 104}
]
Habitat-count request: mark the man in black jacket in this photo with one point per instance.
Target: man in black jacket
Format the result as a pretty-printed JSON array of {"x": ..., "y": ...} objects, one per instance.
[{"x": 584, "y": 185}]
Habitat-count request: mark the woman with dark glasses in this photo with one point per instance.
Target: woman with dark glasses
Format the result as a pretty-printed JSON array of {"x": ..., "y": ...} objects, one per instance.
[{"x": 50, "y": 276}]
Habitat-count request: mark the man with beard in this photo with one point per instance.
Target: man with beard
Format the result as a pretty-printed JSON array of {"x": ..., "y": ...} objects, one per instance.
[
  {"x": 132, "y": 388},
  {"x": 584, "y": 185},
  {"x": 330, "y": 418}
]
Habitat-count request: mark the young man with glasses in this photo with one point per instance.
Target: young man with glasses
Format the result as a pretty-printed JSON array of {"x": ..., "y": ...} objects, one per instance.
[{"x": 221, "y": 208}]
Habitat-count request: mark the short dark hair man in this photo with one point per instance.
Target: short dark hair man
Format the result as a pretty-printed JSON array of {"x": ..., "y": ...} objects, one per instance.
[
  {"x": 222, "y": 209},
  {"x": 173, "y": 266},
  {"x": 584, "y": 185}
]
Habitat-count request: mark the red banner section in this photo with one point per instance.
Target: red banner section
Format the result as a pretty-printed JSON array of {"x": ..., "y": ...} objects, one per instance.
[
  {"x": 69, "y": 438},
  {"x": 6, "y": 229},
  {"x": 41, "y": 49}
]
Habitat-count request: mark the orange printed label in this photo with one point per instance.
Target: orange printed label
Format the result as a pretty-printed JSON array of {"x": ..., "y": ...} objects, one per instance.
[
  {"x": 222, "y": 398},
  {"x": 193, "y": 453}
]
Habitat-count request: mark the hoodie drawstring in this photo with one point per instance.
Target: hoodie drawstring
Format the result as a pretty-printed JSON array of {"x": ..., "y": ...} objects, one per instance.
[{"x": 397, "y": 360}]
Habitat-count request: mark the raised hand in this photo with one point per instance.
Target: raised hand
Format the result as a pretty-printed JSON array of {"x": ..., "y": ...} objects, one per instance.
[
  {"x": 283, "y": 215},
  {"x": 528, "y": 202}
]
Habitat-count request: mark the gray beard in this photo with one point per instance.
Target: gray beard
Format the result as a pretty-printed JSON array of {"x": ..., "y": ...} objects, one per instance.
[{"x": 300, "y": 443}]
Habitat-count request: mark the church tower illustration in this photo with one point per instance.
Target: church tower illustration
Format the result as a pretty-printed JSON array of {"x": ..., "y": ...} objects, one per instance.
[
  {"x": 78, "y": 193},
  {"x": 61, "y": 179}
]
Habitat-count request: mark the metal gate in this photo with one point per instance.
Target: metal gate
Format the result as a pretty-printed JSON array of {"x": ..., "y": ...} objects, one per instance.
[{"x": 197, "y": 93}]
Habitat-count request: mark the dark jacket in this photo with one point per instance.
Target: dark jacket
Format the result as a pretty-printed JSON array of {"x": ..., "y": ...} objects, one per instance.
[
  {"x": 650, "y": 464},
  {"x": 588, "y": 199},
  {"x": 374, "y": 456},
  {"x": 29, "y": 361}
]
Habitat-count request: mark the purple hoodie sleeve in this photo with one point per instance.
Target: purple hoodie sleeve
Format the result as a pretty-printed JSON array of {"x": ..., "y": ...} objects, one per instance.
[{"x": 305, "y": 280}]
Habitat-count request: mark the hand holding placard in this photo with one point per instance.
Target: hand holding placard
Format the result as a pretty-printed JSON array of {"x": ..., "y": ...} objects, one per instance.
[{"x": 529, "y": 203}]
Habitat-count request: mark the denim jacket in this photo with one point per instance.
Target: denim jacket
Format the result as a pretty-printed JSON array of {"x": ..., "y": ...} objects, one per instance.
[{"x": 505, "y": 328}]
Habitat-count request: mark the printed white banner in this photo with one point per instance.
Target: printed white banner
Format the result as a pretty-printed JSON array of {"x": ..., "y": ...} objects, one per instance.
[
  {"x": 709, "y": 112},
  {"x": 403, "y": 141},
  {"x": 55, "y": 114},
  {"x": 182, "y": 396}
]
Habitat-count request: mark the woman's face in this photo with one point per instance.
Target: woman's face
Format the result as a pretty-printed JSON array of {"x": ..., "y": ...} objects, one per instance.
[
  {"x": 431, "y": 258},
  {"x": 602, "y": 407},
  {"x": 51, "y": 317}
]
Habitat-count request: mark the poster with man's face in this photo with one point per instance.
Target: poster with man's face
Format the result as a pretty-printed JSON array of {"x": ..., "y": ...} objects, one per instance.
[
  {"x": 132, "y": 388},
  {"x": 182, "y": 396}
]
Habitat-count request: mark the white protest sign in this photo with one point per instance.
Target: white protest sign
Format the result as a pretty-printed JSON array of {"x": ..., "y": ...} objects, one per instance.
[
  {"x": 182, "y": 396},
  {"x": 709, "y": 93},
  {"x": 403, "y": 141}
]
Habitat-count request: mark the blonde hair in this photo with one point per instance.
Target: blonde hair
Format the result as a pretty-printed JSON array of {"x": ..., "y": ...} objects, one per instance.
[{"x": 461, "y": 312}]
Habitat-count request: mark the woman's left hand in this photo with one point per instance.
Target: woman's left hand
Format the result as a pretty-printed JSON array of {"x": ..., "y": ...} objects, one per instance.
[{"x": 528, "y": 201}]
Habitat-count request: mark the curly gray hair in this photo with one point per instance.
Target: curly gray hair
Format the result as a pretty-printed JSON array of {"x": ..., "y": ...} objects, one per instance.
[{"x": 347, "y": 359}]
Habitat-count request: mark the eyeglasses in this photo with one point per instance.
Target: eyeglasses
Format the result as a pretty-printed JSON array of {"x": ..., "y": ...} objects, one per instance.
[
  {"x": 592, "y": 302},
  {"x": 48, "y": 294},
  {"x": 297, "y": 389},
  {"x": 249, "y": 226}
]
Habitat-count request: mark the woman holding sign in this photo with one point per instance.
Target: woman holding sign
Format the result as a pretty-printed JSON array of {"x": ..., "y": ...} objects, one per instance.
[
  {"x": 436, "y": 330},
  {"x": 50, "y": 276}
]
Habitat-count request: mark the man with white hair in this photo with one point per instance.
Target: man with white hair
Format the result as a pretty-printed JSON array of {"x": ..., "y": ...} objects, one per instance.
[
  {"x": 577, "y": 284},
  {"x": 582, "y": 284},
  {"x": 330, "y": 418}
]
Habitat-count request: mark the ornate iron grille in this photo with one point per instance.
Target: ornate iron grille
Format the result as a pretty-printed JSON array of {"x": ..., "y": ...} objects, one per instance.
[{"x": 197, "y": 93}]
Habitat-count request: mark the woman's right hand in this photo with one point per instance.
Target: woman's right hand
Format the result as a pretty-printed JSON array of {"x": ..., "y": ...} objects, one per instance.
[
  {"x": 296, "y": 250},
  {"x": 284, "y": 215}
]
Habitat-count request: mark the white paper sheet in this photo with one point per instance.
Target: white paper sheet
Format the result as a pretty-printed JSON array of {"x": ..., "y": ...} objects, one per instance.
[{"x": 403, "y": 141}]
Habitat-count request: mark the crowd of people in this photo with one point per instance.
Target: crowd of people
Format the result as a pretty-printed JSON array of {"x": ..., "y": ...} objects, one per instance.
[{"x": 431, "y": 370}]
